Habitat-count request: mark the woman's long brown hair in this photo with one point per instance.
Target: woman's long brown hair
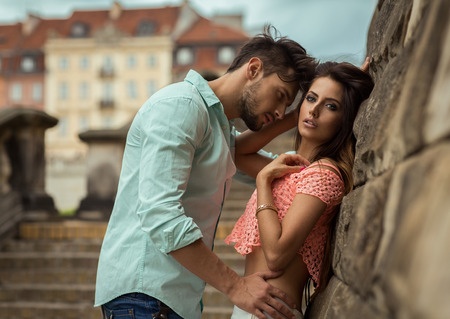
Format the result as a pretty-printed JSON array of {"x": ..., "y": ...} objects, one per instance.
[{"x": 357, "y": 86}]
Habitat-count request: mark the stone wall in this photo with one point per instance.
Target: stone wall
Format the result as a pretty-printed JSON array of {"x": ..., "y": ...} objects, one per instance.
[{"x": 392, "y": 244}]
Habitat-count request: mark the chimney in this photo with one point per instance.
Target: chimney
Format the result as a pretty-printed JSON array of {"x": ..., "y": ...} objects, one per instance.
[{"x": 115, "y": 11}]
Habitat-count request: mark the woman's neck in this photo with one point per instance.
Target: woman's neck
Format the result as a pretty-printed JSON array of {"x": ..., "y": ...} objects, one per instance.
[{"x": 307, "y": 150}]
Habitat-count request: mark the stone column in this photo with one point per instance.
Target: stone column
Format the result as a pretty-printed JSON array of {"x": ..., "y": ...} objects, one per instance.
[
  {"x": 22, "y": 151},
  {"x": 104, "y": 161}
]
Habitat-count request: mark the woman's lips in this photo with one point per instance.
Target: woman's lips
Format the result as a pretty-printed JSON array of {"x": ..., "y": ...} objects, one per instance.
[{"x": 310, "y": 123}]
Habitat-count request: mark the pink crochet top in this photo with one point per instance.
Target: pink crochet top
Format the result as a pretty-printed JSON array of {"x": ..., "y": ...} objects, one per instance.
[{"x": 313, "y": 180}]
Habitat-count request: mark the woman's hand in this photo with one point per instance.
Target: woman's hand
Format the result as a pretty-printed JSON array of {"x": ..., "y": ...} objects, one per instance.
[
  {"x": 366, "y": 65},
  {"x": 282, "y": 165}
]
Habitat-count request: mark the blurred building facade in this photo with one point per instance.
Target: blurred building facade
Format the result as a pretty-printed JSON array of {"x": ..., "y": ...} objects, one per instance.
[{"x": 94, "y": 69}]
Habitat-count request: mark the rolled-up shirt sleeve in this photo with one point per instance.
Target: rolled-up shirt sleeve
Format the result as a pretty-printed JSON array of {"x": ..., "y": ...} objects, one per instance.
[{"x": 171, "y": 130}]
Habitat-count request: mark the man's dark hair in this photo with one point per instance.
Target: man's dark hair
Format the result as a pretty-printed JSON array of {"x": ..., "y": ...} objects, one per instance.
[{"x": 279, "y": 55}]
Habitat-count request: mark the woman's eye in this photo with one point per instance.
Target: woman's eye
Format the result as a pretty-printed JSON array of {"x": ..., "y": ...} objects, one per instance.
[
  {"x": 332, "y": 107},
  {"x": 310, "y": 98}
]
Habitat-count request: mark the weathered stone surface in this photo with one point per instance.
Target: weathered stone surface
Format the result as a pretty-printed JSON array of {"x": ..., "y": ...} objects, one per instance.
[
  {"x": 358, "y": 234},
  {"x": 338, "y": 301},
  {"x": 416, "y": 265},
  {"x": 391, "y": 246}
]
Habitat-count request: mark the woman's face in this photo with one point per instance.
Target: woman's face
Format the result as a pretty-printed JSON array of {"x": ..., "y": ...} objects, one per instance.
[{"x": 321, "y": 112}]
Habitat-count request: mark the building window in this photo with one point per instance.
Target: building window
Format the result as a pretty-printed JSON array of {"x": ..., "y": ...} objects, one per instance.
[
  {"x": 151, "y": 61},
  {"x": 131, "y": 61},
  {"x": 37, "y": 92},
  {"x": 28, "y": 64},
  {"x": 16, "y": 92},
  {"x": 151, "y": 87},
  {"x": 84, "y": 63},
  {"x": 79, "y": 30},
  {"x": 62, "y": 127},
  {"x": 185, "y": 56},
  {"x": 226, "y": 55},
  {"x": 107, "y": 121},
  {"x": 108, "y": 92},
  {"x": 145, "y": 28},
  {"x": 63, "y": 91},
  {"x": 63, "y": 63},
  {"x": 107, "y": 66},
  {"x": 84, "y": 91},
  {"x": 132, "y": 90},
  {"x": 83, "y": 124}
]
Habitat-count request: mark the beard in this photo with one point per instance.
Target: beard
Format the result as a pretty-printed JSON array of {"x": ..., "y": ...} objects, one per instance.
[{"x": 247, "y": 106}]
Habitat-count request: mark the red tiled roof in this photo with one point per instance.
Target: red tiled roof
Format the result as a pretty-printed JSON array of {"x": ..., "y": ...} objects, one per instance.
[
  {"x": 164, "y": 19},
  {"x": 128, "y": 21},
  {"x": 36, "y": 39},
  {"x": 205, "y": 30},
  {"x": 9, "y": 36}
]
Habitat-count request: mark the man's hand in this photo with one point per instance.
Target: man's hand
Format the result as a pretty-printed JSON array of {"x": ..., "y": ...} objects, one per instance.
[{"x": 254, "y": 295}]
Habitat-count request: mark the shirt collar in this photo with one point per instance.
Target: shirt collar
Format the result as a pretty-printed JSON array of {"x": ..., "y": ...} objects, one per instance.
[{"x": 203, "y": 88}]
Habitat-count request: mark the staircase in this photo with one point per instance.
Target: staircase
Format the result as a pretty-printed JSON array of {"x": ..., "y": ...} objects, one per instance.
[
  {"x": 49, "y": 270},
  {"x": 217, "y": 305}
]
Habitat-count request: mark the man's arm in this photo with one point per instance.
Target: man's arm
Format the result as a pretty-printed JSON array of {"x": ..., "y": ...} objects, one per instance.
[
  {"x": 251, "y": 293},
  {"x": 249, "y": 143}
]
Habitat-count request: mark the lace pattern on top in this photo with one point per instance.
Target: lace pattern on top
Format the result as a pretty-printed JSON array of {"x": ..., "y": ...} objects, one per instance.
[{"x": 313, "y": 180}]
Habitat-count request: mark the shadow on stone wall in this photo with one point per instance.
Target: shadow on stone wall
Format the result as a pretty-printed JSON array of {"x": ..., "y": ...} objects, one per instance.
[{"x": 391, "y": 246}]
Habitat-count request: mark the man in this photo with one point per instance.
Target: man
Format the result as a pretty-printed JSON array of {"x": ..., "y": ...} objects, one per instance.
[{"x": 177, "y": 169}]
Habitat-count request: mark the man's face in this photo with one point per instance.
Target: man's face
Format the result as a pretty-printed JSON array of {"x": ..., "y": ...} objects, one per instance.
[{"x": 266, "y": 100}]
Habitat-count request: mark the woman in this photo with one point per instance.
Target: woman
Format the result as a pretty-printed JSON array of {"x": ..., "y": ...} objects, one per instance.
[{"x": 287, "y": 221}]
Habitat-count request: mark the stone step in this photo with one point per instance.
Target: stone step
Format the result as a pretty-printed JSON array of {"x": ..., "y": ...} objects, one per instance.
[
  {"x": 238, "y": 187},
  {"x": 224, "y": 229},
  {"x": 234, "y": 261},
  {"x": 61, "y": 230},
  {"x": 221, "y": 248},
  {"x": 60, "y": 293},
  {"x": 50, "y": 272},
  {"x": 56, "y": 260},
  {"x": 217, "y": 312},
  {"x": 233, "y": 209},
  {"x": 79, "y": 276},
  {"x": 51, "y": 245},
  {"x": 48, "y": 310},
  {"x": 214, "y": 298}
]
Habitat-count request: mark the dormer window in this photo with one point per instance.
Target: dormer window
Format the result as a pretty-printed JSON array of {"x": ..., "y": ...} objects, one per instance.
[
  {"x": 226, "y": 55},
  {"x": 146, "y": 28},
  {"x": 185, "y": 56},
  {"x": 27, "y": 64},
  {"x": 79, "y": 30}
]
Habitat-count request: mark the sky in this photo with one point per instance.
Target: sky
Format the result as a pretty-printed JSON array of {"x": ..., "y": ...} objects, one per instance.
[{"x": 328, "y": 29}]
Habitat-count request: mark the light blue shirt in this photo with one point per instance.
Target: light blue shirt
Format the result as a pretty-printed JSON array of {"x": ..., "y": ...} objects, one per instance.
[{"x": 176, "y": 172}]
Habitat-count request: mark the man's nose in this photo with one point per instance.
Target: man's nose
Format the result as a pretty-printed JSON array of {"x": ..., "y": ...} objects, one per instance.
[{"x": 279, "y": 112}]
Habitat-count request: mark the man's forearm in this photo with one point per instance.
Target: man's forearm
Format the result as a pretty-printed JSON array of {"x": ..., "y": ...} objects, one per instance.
[{"x": 203, "y": 263}]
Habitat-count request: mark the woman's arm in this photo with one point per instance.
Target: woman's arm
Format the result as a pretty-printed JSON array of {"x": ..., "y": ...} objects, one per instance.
[
  {"x": 281, "y": 241},
  {"x": 249, "y": 143}
]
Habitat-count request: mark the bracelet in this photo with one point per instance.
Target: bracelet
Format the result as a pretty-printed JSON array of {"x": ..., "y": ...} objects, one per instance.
[{"x": 266, "y": 206}]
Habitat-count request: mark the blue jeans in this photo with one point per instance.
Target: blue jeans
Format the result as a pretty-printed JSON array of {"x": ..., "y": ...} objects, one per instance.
[{"x": 137, "y": 306}]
